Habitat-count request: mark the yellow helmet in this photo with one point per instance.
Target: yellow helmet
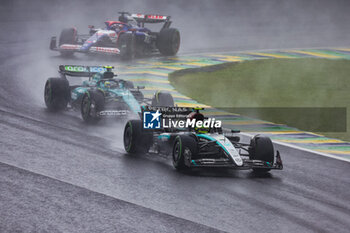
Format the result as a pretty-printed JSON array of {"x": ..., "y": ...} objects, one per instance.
[{"x": 107, "y": 84}]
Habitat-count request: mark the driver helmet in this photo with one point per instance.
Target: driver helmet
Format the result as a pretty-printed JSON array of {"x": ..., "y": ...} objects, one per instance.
[
  {"x": 201, "y": 130},
  {"x": 116, "y": 26},
  {"x": 198, "y": 117},
  {"x": 107, "y": 84}
]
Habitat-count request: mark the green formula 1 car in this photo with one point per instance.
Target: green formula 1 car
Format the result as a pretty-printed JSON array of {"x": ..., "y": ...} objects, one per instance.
[{"x": 99, "y": 95}]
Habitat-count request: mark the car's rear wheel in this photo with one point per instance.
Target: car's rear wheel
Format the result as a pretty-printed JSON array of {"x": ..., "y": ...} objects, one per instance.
[
  {"x": 67, "y": 36},
  {"x": 162, "y": 99},
  {"x": 129, "y": 84},
  {"x": 126, "y": 46},
  {"x": 136, "y": 140},
  {"x": 56, "y": 94},
  {"x": 92, "y": 103},
  {"x": 185, "y": 147},
  {"x": 138, "y": 95},
  {"x": 168, "y": 41},
  {"x": 261, "y": 148}
]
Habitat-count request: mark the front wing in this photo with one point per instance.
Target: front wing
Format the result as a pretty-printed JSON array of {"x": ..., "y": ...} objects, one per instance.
[
  {"x": 77, "y": 48},
  {"x": 247, "y": 163}
]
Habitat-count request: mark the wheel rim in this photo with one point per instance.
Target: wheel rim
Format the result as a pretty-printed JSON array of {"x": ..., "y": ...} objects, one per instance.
[
  {"x": 176, "y": 151},
  {"x": 127, "y": 138},
  {"x": 47, "y": 93},
  {"x": 86, "y": 107},
  {"x": 187, "y": 152},
  {"x": 176, "y": 42}
]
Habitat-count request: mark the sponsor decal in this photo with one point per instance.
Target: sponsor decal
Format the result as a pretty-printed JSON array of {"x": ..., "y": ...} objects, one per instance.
[
  {"x": 113, "y": 113},
  {"x": 76, "y": 68},
  {"x": 156, "y": 17},
  {"x": 93, "y": 69},
  {"x": 141, "y": 16},
  {"x": 97, "y": 69},
  {"x": 105, "y": 50}
]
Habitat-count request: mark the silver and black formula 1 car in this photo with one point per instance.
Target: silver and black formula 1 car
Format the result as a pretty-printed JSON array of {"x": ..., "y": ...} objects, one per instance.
[
  {"x": 127, "y": 37},
  {"x": 100, "y": 95},
  {"x": 204, "y": 147}
]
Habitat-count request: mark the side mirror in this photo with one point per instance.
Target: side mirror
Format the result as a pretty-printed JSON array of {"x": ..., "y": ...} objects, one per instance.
[
  {"x": 235, "y": 131},
  {"x": 91, "y": 26}
]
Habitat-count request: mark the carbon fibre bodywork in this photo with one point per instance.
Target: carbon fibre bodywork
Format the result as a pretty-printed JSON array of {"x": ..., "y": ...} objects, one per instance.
[
  {"x": 191, "y": 148},
  {"x": 214, "y": 150}
]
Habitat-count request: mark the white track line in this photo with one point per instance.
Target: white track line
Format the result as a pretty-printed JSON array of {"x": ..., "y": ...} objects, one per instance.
[
  {"x": 271, "y": 50},
  {"x": 259, "y": 50},
  {"x": 274, "y": 141},
  {"x": 303, "y": 149}
]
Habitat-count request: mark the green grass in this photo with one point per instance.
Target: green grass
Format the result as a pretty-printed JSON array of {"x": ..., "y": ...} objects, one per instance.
[{"x": 276, "y": 83}]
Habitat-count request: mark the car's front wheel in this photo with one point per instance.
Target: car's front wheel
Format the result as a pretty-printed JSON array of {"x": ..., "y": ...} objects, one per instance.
[
  {"x": 185, "y": 147},
  {"x": 92, "y": 104},
  {"x": 261, "y": 148}
]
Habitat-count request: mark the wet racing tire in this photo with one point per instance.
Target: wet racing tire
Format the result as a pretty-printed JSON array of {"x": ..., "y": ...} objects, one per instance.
[
  {"x": 126, "y": 46},
  {"x": 168, "y": 41},
  {"x": 56, "y": 94},
  {"x": 92, "y": 103},
  {"x": 162, "y": 99},
  {"x": 137, "y": 140},
  {"x": 67, "y": 36},
  {"x": 129, "y": 84},
  {"x": 261, "y": 148},
  {"x": 185, "y": 147}
]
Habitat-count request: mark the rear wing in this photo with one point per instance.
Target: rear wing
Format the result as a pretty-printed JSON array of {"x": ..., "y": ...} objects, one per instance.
[
  {"x": 144, "y": 18},
  {"x": 82, "y": 71}
]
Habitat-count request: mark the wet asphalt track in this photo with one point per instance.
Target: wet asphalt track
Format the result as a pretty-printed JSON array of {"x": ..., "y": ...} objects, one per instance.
[{"x": 57, "y": 174}]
